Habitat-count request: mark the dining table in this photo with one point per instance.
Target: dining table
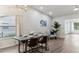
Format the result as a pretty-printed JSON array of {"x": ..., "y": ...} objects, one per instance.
[{"x": 25, "y": 39}]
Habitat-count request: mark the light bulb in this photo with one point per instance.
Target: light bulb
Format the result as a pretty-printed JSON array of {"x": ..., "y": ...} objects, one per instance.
[
  {"x": 50, "y": 13},
  {"x": 41, "y": 7},
  {"x": 75, "y": 9}
]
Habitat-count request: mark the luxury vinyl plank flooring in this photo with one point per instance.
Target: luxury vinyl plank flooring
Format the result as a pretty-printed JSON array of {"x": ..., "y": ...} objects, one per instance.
[{"x": 68, "y": 45}]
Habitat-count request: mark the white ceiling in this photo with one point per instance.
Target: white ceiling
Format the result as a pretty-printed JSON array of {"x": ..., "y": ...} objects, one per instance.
[{"x": 57, "y": 10}]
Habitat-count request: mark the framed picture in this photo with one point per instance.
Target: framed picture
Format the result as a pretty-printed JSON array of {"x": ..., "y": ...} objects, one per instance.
[{"x": 43, "y": 23}]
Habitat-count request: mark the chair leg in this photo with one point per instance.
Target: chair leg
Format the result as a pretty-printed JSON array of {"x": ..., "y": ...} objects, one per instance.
[
  {"x": 42, "y": 50},
  {"x": 55, "y": 37}
]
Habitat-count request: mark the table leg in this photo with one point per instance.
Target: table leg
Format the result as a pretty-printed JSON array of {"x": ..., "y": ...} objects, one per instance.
[{"x": 19, "y": 47}]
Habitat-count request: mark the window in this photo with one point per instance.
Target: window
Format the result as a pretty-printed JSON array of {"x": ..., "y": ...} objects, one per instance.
[
  {"x": 76, "y": 26},
  {"x": 7, "y": 26}
]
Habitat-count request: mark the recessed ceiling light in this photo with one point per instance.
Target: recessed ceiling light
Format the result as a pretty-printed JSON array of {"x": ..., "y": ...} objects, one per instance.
[
  {"x": 19, "y": 9},
  {"x": 26, "y": 8},
  {"x": 41, "y": 7},
  {"x": 75, "y": 9},
  {"x": 50, "y": 13}
]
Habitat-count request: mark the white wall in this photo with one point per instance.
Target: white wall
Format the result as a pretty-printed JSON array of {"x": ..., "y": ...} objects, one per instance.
[
  {"x": 67, "y": 26},
  {"x": 62, "y": 19},
  {"x": 31, "y": 22}
]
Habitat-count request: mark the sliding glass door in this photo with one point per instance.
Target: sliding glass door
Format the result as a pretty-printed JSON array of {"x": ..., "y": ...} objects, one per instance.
[{"x": 72, "y": 26}]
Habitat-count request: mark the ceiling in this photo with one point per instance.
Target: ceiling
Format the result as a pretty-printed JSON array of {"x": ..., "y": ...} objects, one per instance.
[{"x": 57, "y": 10}]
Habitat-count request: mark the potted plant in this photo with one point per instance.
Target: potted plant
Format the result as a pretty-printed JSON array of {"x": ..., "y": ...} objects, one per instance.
[{"x": 56, "y": 27}]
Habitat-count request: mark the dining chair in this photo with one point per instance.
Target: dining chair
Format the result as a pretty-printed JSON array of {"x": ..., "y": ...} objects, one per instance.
[
  {"x": 43, "y": 42},
  {"x": 33, "y": 44}
]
